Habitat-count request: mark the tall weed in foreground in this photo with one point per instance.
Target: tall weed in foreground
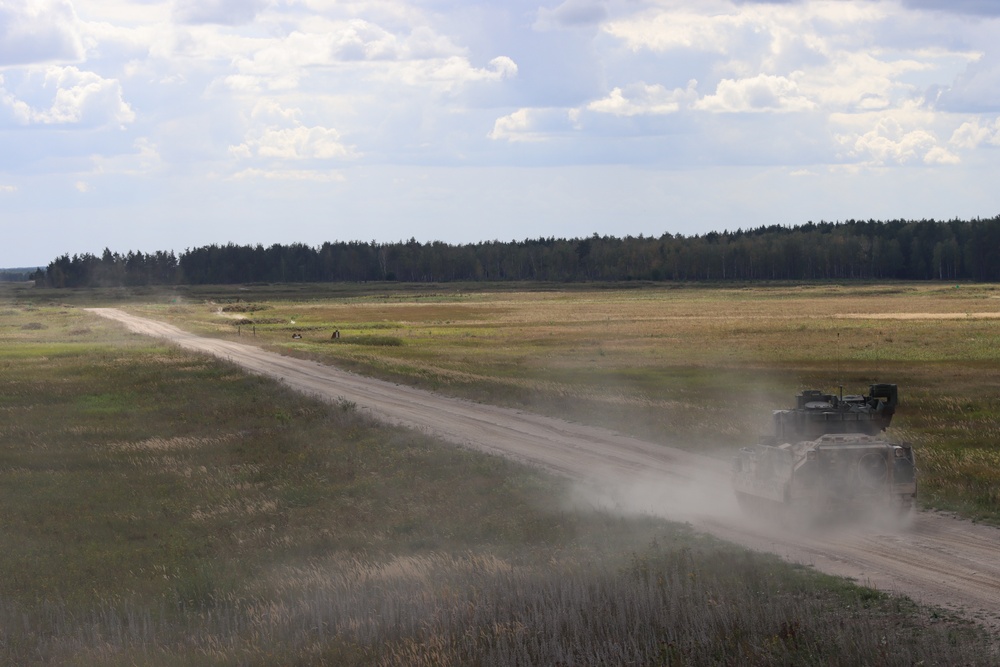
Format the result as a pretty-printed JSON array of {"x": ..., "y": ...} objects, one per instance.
[{"x": 674, "y": 602}]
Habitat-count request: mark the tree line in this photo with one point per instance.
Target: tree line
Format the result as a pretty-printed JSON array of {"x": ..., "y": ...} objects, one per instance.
[
  {"x": 15, "y": 275},
  {"x": 956, "y": 250}
]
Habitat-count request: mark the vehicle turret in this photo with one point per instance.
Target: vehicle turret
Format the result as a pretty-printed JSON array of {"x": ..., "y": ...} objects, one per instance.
[{"x": 816, "y": 414}]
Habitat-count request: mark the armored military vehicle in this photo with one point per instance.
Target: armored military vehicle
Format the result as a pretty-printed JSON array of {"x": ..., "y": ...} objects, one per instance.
[{"x": 828, "y": 456}]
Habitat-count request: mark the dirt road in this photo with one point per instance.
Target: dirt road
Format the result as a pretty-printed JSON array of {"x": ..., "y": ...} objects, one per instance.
[{"x": 937, "y": 559}]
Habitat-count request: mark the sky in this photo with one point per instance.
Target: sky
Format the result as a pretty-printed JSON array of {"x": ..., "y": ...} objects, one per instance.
[{"x": 164, "y": 125}]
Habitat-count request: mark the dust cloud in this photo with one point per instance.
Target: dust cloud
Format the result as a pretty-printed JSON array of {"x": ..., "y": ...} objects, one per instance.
[
  {"x": 698, "y": 495},
  {"x": 703, "y": 498}
]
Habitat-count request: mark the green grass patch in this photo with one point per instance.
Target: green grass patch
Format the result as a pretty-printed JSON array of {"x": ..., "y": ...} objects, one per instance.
[{"x": 367, "y": 339}]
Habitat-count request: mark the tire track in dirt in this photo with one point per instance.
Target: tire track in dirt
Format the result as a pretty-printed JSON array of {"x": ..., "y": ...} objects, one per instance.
[{"x": 937, "y": 560}]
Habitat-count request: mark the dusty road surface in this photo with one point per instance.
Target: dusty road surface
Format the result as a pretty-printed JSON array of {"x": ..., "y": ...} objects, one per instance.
[{"x": 936, "y": 559}]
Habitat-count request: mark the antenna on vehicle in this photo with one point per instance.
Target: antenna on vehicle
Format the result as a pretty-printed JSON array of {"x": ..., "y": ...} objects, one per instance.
[{"x": 840, "y": 377}]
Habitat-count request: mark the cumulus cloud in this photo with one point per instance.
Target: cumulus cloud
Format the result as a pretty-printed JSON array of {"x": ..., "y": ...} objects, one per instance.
[
  {"x": 276, "y": 63},
  {"x": 78, "y": 98},
  {"x": 794, "y": 56},
  {"x": 295, "y": 143},
  {"x": 38, "y": 31},
  {"x": 501, "y": 67},
  {"x": 764, "y": 92},
  {"x": 941, "y": 155},
  {"x": 863, "y": 81},
  {"x": 278, "y": 134},
  {"x": 642, "y": 99},
  {"x": 269, "y": 110},
  {"x": 367, "y": 50},
  {"x": 363, "y": 40},
  {"x": 325, "y": 42},
  {"x": 516, "y": 126},
  {"x": 85, "y": 97},
  {"x": 977, "y": 132},
  {"x": 889, "y": 143},
  {"x": 444, "y": 75},
  {"x": 661, "y": 31},
  {"x": 532, "y": 125}
]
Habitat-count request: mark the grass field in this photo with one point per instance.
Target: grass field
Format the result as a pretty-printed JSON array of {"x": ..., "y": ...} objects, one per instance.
[
  {"x": 164, "y": 508},
  {"x": 693, "y": 366}
]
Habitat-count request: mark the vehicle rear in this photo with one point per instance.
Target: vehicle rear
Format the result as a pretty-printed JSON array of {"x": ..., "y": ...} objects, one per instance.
[
  {"x": 847, "y": 475},
  {"x": 853, "y": 475}
]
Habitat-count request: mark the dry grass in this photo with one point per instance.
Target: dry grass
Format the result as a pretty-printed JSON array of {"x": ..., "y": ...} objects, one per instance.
[
  {"x": 679, "y": 600},
  {"x": 695, "y": 366},
  {"x": 162, "y": 508}
]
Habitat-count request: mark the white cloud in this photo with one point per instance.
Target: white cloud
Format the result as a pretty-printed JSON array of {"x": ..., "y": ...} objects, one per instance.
[
  {"x": 941, "y": 155},
  {"x": 717, "y": 26},
  {"x": 248, "y": 84},
  {"x": 867, "y": 81},
  {"x": 516, "y": 126},
  {"x": 328, "y": 42},
  {"x": 502, "y": 67},
  {"x": 445, "y": 75},
  {"x": 763, "y": 92},
  {"x": 973, "y": 134},
  {"x": 890, "y": 143},
  {"x": 361, "y": 49},
  {"x": 77, "y": 98},
  {"x": 838, "y": 55},
  {"x": 643, "y": 99},
  {"x": 7, "y": 189},
  {"x": 663, "y": 30},
  {"x": 318, "y": 176},
  {"x": 270, "y": 110},
  {"x": 279, "y": 134},
  {"x": 358, "y": 39},
  {"x": 299, "y": 143},
  {"x": 84, "y": 97},
  {"x": 38, "y": 31},
  {"x": 533, "y": 125},
  {"x": 323, "y": 44}
]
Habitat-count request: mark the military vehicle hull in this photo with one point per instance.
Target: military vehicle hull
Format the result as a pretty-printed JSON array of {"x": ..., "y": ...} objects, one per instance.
[
  {"x": 834, "y": 475},
  {"x": 828, "y": 457}
]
